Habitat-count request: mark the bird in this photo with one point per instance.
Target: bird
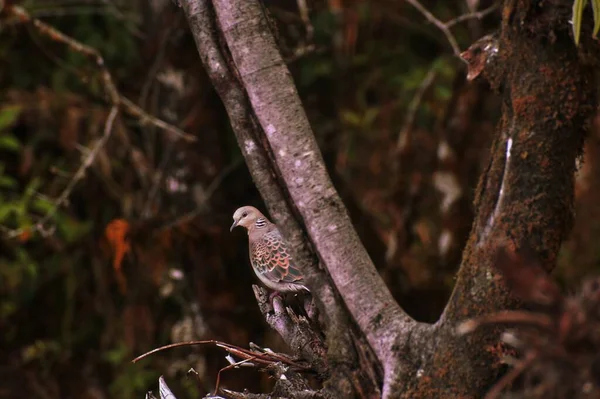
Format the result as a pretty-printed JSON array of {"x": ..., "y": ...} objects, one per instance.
[{"x": 269, "y": 253}]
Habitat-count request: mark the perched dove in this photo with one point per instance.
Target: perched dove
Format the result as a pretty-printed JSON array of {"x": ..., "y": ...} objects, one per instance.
[{"x": 269, "y": 254}]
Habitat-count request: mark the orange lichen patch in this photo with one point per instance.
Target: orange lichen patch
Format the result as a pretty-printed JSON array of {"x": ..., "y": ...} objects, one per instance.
[
  {"x": 523, "y": 105},
  {"x": 116, "y": 233}
]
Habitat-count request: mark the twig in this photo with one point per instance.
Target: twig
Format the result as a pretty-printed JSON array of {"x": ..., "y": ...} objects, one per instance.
[
  {"x": 248, "y": 357},
  {"x": 440, "y": 25},
  {"x": 505, "y": 317},
  {"x": 231, "y": 366},
  {"x": 210, "y": 190},
  {"x": 115, "y": 98},
  {"x": 512, "y": 375},
  {"x": 303, "y": 8},
  {"x": 265, "y": 358},
  {"x": 88, "y": 161},
  {"x": 68, "y": 11},
  {"x": 156, "y": 65},
  {"x": 403, "y": 137},
  {"x": 472, "y": 15},
  {"x": 445, "y": 26},
  {"x": 145, "y": 118}
]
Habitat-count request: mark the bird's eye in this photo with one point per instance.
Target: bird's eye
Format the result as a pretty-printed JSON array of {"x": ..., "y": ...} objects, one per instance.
[{"x": 244, "y": 214}]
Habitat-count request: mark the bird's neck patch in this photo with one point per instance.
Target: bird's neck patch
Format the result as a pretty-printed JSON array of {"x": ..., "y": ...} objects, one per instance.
[{"x": 260, "y": 223}]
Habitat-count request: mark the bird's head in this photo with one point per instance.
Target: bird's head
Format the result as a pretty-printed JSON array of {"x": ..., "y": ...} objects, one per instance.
[{"x": 245, "y": 216}]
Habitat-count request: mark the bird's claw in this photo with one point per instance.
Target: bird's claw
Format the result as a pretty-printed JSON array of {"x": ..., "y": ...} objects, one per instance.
[{"x": 273, "y": 295}]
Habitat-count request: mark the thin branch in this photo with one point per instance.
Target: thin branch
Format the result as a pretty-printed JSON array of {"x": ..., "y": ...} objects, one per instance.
[
  {"x": 145, "y": 118},
  {"x": 114, "y": 97},
  {"x": 446, "y": 26},
  {"x": 203, "y": 206},
  {"x": 473, "y": 15},
  {"x": 404, "y": 136},
  {"x": 252, "y": 358},
  {"x": 505, "y": 317},
  {"x": 80, "y": 174},
  {"x": 56, "y": 12},
  {"x": 231, "y": 366},
  {"x": 511, "y": 376},
  {"x": 157, "y": 63},
  {"x": 439, "y": 24},
  {"x": 303, "y": 9}
]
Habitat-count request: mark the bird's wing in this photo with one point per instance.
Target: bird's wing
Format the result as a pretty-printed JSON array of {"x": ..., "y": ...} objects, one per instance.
[{"x": 270, "y": 256}]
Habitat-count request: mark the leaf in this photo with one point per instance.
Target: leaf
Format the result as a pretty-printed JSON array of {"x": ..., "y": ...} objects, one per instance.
[
  {"x": 116, "y": 233},
  {"x": 7, "y": 182},
  {"x": 30, "y": 190},
  {"x": 370, "y": 116},
  {"x": 7, "y": 210},
  {"x": 42, "y": 205},
  {"x": 9, "y": 142},
  {"x": 578, "y": 6},
  {"x": 351, "y": 118},
  {"x": 596, "y": 9},
  {"x": 70, "y": 228},
  {"x": 9, "y": 115}
]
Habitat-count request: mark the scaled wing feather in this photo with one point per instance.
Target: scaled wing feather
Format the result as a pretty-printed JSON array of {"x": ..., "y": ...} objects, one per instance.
[{"x": 271, "y": 257}]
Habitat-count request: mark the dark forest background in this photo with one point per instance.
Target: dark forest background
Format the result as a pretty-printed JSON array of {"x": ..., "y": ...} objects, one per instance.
[{"x": 139, "y": 255}]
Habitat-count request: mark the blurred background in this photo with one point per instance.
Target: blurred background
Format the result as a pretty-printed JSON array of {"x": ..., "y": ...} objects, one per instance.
[{"x": 139, "y": 254}]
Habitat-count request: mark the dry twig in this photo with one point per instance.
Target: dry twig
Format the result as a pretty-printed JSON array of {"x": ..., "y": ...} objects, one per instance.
[
  {"x": 203, "y": 206},
  {"x": 446, "y": 26},
  {"x": 249, "y": 357},
  {"x": 404, "y": 136}
]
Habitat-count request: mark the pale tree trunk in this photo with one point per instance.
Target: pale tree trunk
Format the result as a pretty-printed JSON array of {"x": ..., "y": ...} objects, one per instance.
[{"x": 524, "y": 198}]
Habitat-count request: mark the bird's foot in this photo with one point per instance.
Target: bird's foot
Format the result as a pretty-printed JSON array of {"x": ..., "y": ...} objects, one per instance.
[{"x": 275, "y": 294}]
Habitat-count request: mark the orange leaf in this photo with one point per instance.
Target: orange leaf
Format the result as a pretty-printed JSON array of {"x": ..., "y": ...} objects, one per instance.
[
  {"x": 116, "y": 234},
  {"x": 25, "y": 235}
]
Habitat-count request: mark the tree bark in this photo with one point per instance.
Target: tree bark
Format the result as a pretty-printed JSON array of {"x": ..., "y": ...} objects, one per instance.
[{"x": 524, "y": 198}]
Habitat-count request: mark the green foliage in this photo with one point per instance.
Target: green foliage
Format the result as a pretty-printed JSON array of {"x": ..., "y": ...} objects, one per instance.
[
  {"x": 131, "y": 378},
  {"x": 8, "y": 116},
  {"x": 16, "y": 213},
  {"x": 578, "y": 8},
  {"x": 40, "y": 350},
  {"x": 47, "y": 287}
]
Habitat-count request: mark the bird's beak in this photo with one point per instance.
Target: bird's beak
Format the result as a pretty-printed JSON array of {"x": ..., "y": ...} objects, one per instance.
[{"x": 233, "y": 226}]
